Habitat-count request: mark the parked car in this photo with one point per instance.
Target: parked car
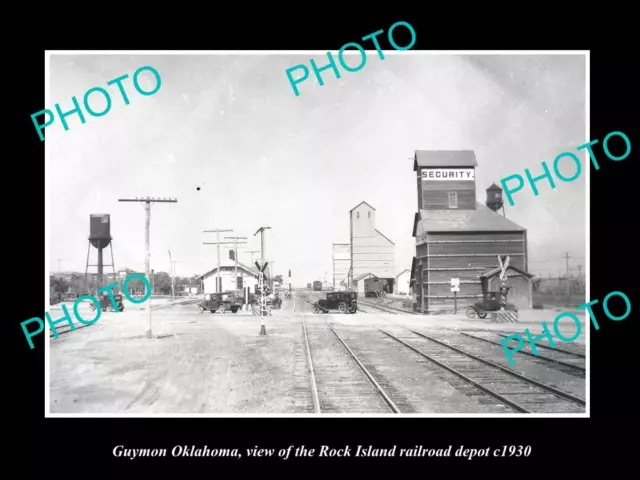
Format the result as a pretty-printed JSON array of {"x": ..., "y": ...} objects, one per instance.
[
  {"x": 221, "y": 302},
  {"x": 344, "y": 302}
]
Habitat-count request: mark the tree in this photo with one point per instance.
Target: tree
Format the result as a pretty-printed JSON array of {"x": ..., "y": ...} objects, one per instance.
[
  {"x": 58, "y": 284},
  {"x": 277, "y": 278}
]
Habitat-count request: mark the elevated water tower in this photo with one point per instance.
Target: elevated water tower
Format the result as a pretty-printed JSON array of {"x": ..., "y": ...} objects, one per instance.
[
  {"x": 494, "y": 198},
  {"x": 100, "y": 238}
]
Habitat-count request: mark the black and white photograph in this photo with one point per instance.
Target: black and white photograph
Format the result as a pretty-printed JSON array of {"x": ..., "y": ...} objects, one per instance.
[{"x": 225, "y": 238}]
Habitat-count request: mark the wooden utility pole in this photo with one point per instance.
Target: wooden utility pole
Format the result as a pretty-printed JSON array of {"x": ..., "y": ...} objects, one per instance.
[
  {"x": 235, "y": 255},
  {"x": 173, "y": 285},
  {"x": 147, "y": 208},
  {"x": 261, "y": 232},
  {"x": 217, "y": 242},
  {"x": 566, "y": 257}
]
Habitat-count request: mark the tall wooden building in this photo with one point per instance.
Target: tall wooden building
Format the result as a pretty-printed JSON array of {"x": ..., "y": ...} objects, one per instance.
[
  {"x": 458, "y": 237},
  {"x": 371, "y": 251}
]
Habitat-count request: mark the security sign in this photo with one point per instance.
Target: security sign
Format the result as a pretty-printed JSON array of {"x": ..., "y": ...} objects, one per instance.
[{"x": 455, "y": 284}]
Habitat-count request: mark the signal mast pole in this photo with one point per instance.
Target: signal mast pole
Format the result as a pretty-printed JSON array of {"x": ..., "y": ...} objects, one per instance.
[
  {"x": 263, "y": 298},
  {"x": 147, "y": 208}
]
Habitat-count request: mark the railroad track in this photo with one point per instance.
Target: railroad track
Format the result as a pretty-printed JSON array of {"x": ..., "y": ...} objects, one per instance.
[
  {"x": 553, "y": 359},
  {"x": 385, "y": 308},
  {"x": 340, "y": 381},
  {"x": 520, "y": 393},
  {"x": 574, "y": 349}
]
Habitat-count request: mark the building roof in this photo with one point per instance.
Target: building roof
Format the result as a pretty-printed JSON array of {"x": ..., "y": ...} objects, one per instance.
[
  {"x": 361, "y": 204},
  {"x": 231, "y": 263},
  {"x": 384, "y": 236},
  {"x": 482, "y": 219},
  {"x": 494, "y": 187},
  {"x": 403, "y": 271},
  {"x": 496, "y": 271},
  {"x": 361, "y": 276},
  {"x": 444, "y": 158}
]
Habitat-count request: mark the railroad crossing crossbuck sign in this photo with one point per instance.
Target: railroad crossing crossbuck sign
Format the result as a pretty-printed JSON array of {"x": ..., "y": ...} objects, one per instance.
[
  {"x": 503, "y": 267},
  {"x": 261, "y": 269},
  {"x": 455, "y": 284},
  {"x": 263, "y": 298}
]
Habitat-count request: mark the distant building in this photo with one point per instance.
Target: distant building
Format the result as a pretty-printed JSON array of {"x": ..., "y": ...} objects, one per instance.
[
  {"x": 371, "y": 252},
  {"x": 357, "y": 284},
  {"x": 458, "y": 237},
  {"x": 247, "y": 277},
  {"x": 402, "y": 285}
]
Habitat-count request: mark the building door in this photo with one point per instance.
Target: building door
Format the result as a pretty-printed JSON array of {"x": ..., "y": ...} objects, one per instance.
[{"x": 519, "y": 293}]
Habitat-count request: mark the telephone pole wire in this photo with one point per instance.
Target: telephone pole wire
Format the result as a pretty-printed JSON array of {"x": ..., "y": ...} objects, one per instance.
[{"x": 147, "y": 208}]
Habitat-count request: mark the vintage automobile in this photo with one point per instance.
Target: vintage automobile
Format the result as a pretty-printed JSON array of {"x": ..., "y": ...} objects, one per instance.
[
  {"x": 489, "y": 303},
  {"x": 344, "y": 302},
  {"x": 105, "y": 303},
  {"x": 221, "y": 302}
]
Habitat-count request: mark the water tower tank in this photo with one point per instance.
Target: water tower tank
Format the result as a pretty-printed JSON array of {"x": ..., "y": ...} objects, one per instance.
[
  {"x": 494, "y": 197},
  {"x": 100, "y": 230}
]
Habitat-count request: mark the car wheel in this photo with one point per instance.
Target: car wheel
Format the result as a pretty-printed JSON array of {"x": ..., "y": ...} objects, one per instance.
[
  {"x": 316, "y": 309},
  {"x": 471, "y": 312},
  {"x": 234, "y": 310},
  {"x": 120, "y": 307},
  {"x": 342, "y": 308},
  {"x": 213, "y": 311},
  {"x": 482, "y": 315},
  {"x": 201, "y": 309}
]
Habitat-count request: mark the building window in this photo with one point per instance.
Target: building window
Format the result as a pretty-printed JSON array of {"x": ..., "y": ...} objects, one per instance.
[
  {"x": 369, "y": 213},
  {"x": 453, "y": 199},
  {"x": 358, "y": 214}
]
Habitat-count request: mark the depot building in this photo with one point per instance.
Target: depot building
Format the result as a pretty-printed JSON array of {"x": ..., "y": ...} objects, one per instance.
[
  {"x": 459, "y": 239},
  {"x": 227, "y": 281}
]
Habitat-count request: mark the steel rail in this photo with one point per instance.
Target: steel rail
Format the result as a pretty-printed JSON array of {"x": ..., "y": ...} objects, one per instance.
[
  {"x": 314, "y": 386},
  {"x": 547, "y": 348},
  {"x": 553, "y": 360},
  {"x": 541, "y": 385},
  {"x": 386, "y": 398},
  {"x": 486, "y": 390}
]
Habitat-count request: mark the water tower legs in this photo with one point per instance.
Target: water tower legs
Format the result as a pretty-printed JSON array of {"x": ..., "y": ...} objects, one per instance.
[{"x": 100, "y": 275}]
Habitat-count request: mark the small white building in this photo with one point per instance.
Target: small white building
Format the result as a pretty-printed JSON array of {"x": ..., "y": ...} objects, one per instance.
[
  {"x": 247, "y": 277},
  {"x": 401, "y": 286},
  {"x": 358, "y": 282}
]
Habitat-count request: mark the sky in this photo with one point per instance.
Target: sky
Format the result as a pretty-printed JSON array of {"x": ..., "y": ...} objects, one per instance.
[{"x": 232, "y": 126}]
